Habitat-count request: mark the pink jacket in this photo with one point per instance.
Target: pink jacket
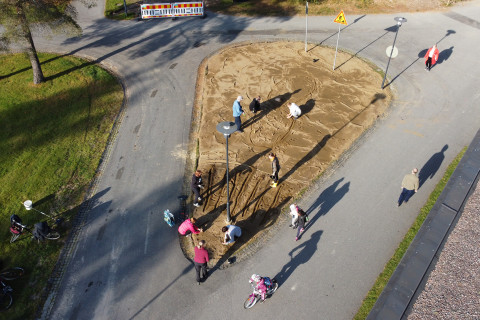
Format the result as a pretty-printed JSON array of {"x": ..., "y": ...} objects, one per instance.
[
  {"x": 187, "y": 225},
  {"x": 262, "y": 287}
]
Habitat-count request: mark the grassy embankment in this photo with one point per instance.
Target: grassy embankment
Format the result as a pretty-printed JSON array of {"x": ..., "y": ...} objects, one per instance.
[
  {"x": 391, "y": 265},
  {"x": 52, "y": 139}
]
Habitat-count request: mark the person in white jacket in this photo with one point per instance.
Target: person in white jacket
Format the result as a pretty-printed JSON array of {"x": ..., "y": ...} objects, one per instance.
[{"x": 294, "y": 214}]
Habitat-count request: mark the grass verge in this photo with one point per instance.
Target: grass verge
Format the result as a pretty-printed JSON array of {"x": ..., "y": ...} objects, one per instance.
[
  {"x": 52, "y": 138},
  {"x": 391, "y": 265}
]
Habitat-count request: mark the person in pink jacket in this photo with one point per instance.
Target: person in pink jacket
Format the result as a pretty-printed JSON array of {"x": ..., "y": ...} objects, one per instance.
[
  {"x": 188, "y": 226},
  {"x": 259, "y": 284},
  {"x": 431, "y": 57}
]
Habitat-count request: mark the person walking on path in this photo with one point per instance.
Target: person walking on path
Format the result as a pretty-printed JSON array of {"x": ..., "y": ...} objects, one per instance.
[
  {"x": 196, "y": 185},
  {"x": 188, "y": 227},
  {"x": 302, "y": 219},
  {"x": 294, "y": 214},
  {"x": 295, "y": 110},
  {"x": 431, "y": 57},
  {"x": 200, "y": 260},
  {"x": 237, "y": 112},
  {"x": 275, "y": 168},
  {"x": 409, "y": 187},
  {"x": 232, "y": 233},
  {"x": 255, "y": 104}
]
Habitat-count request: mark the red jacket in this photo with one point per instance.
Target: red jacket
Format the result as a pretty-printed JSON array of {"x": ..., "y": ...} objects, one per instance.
[
  {"x": 434, "y": 57},
  {"x": 187, "y": 225},
  {"x": 201, "y": 255}
]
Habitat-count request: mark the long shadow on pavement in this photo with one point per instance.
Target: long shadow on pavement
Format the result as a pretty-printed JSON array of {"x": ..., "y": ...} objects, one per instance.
[
  {"x": 431, "y": 166},
  {"x": 326, "y": 201},
  {"x": 306, "y": 251}
]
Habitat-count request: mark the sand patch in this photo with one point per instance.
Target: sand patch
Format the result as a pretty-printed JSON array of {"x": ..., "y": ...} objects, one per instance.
[{"x": 337, "y": 106}]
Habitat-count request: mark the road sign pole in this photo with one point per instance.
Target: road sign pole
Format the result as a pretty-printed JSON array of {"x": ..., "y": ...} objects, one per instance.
[
  {"x": 306, "y": 25},
  {"x": 336, "y": 48}
]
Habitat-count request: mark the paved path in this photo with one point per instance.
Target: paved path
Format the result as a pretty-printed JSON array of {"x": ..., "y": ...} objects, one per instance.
[{"x": 127, "y": 263}]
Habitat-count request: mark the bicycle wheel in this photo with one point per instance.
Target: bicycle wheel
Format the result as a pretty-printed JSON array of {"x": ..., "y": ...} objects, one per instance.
[
  {"x": 250, "y": 302},
  {"x": 52, "y": 235},
  {"x": 14, "y": 237},
  {"x": 5, "y": 301},
  {"x": 12, "y": 273}
]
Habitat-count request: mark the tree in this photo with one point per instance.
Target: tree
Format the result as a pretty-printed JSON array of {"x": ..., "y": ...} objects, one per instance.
[{"x": 19, "y": 17}]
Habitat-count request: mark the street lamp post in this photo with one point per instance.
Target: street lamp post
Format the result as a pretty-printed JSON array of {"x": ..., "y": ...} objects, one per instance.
[
  {"x": 399, "y": 20},
  {"x": 29, "y": 206},
  {"x": 227, "y": 128}
]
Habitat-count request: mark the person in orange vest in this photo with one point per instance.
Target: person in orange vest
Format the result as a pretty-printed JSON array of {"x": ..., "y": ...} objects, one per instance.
[{"x": 431, "y": 57}]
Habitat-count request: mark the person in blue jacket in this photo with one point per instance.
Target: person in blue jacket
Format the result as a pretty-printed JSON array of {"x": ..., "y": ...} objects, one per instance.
[{"x": 237, "y": 112}]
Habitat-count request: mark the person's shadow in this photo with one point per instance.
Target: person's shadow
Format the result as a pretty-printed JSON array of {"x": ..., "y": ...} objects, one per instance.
[
  {"x": 307, "y": 107},
  {"x": 444, "y": 55},
  {"x": 268, "y": 106},
  {"x": 306, "y": 250},
  {"x": 327, "y": 199},
  {"x": 431, "y": 166}
]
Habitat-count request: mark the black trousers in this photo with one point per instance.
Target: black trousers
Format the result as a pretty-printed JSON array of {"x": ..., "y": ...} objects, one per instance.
[
  {"x": 429, "y": 63},
  {"x": 203, "y": 267}
]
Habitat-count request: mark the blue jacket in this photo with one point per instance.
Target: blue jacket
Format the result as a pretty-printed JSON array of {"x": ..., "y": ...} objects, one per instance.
[{"x": 237, "y": 109}]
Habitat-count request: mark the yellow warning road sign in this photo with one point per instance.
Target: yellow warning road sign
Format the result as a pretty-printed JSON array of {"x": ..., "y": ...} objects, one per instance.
[{"x": 341, "y": 18}]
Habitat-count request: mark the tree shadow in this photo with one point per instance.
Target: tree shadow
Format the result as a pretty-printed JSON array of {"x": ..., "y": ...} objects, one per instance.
[
  {"x": 259, "y": 220},
  {"x": 431, "y": 167},
  {"x": 327, "y": 200},
  {"x": 306, "y": 251},
  {"x": 444, "y": 55},
  {"x": 268, "y": 106}
]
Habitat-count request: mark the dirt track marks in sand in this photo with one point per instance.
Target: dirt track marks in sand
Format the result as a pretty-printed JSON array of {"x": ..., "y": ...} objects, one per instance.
[{"x": 337, "y": 106}]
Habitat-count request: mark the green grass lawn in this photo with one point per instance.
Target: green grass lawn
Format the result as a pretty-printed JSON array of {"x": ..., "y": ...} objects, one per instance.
[
  {"x": 51, "y": 139},
  {"x": 391, "y": 265}
]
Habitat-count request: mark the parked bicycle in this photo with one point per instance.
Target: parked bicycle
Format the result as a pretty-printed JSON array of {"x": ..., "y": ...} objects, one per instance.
[
  {"x": 6, "y": 299},
  {"x": 40, "y": 232}
]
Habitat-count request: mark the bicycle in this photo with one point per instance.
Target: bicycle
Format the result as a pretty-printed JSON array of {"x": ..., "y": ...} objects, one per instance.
[
  {"x": 6, "y": 299},
  {"x": 17, "y": 229}
]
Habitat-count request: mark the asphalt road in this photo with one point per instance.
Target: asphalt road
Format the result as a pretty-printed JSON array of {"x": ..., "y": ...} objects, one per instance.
[{"x": 127, "y": 263}]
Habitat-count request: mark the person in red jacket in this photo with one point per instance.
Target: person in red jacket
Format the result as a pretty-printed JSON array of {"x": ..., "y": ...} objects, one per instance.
[
  {"x": 200, "y": 261},
  {"x": 431, "y": 57},
  {"x": 188, "y": 226}
]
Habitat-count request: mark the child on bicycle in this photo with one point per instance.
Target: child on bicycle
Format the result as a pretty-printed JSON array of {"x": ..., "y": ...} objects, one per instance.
[{"x": 259, "y": 285}]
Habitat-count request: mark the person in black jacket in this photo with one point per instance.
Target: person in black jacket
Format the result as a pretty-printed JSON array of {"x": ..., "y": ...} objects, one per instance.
[
  {"x": 302, "y": 219},
  {"x": 196, "y": 185},
  {"x": 255, "y": 104},
  {"x": 275, "y": 168}
]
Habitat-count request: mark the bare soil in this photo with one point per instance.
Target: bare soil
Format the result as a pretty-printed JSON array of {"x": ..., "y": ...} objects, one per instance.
[{"x": 337, "y": 106}]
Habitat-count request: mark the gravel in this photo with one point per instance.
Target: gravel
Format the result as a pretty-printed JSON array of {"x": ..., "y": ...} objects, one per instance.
[{"x": 452, "y": 290}]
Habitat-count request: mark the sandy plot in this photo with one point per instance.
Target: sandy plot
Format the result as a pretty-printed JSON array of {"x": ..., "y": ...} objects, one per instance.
[{"x": 337, "y": 106}]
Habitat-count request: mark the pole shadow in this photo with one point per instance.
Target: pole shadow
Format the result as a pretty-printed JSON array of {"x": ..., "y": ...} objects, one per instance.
[
  {"x": 368, "y": 45},
  {"x": 431, "y": 167},
  {"x": 333, "y": 34},
  {"x": 306, "y": 250},
  {"x": 422, "y": 54}
]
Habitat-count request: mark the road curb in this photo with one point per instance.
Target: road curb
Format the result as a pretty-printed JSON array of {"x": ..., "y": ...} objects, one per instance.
[{"x": 409, "y": 277}]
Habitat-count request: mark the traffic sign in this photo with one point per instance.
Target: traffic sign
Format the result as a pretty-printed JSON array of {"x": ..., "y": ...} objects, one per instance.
[{"x": 341, "y": 18}]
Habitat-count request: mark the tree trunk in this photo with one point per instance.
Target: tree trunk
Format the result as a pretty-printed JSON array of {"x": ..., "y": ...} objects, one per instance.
[{"x": 31, "y": 51}]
